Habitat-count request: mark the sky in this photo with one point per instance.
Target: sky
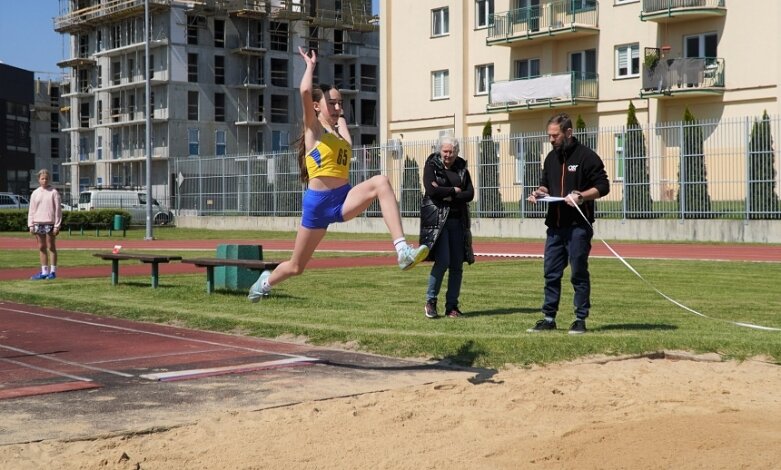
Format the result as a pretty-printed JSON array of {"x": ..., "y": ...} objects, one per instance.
[{"x": 27, "y": 37}]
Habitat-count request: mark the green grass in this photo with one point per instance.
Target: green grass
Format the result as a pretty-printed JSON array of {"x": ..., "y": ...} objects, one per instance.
[{"x": 381, "y": 308}]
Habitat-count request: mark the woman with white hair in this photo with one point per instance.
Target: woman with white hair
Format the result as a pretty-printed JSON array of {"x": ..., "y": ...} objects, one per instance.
[{"x": 445, "y": 223}]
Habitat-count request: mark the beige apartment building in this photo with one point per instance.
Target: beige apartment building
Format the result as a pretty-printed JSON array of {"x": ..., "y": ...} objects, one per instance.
[
  {"x": 224, "y": 76},
  {"x": 453, "y": 65}
]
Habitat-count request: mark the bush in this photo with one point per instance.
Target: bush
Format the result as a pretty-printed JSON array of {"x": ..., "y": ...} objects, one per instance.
[{"x": 15, "y": 220}]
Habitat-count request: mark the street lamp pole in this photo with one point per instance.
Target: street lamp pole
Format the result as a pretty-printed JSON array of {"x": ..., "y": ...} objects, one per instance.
[{"x": 148, "y": 115}]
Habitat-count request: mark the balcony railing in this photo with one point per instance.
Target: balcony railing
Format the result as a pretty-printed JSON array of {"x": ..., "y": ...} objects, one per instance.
[
  {"x": 684, "y": 75},
  {"x": 104, "y": 10},
  {"x": 666, "y": 10},
  {"x": 547, "y": 19},
  {"x": 567, "y": 88}
]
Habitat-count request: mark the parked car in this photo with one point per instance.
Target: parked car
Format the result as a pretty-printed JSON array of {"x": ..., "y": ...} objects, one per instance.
[
  {"x": 13, "y": 201},
  {"x": 133, "y": 202}
]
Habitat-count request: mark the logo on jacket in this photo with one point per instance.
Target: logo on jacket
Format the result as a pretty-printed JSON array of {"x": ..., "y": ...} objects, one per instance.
[{"x": 572, "y": 168}]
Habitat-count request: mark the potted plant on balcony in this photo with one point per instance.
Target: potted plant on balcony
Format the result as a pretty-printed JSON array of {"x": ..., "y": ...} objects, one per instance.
[{"x": 650, "y": 61}]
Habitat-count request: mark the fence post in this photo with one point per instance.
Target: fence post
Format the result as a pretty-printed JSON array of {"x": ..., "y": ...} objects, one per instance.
[
  {"x": 747, "y": 156},
  {"x": 682, "y": 174}
]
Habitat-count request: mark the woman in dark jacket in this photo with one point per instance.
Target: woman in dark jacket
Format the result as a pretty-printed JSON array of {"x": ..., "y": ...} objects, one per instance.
[{"x": 444, "y": 223}]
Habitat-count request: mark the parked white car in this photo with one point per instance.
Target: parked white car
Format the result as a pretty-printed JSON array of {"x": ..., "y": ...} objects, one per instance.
[
  {"x": 130, "y": 201},
  {"x": 13, "y": 201}
]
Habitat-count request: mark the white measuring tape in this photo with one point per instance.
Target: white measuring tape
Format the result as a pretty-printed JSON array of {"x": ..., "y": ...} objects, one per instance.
[{"x": 620, "y": 258}]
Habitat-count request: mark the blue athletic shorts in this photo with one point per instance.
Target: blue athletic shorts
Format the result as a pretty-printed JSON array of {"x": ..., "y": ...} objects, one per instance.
[{"x": 322, "y": 208}]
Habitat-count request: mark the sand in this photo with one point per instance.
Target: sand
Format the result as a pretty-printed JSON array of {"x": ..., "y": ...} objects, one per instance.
[{"x": 638, "y": 413}]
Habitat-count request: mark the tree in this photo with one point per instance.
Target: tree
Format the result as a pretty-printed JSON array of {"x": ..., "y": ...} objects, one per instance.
[
  {"x": 637, "y": 188},
  {"x": 411, "y": 192},
  {"x": 693, "y": 198},
  {"x": 585, "y": 137},
  {"x": 763, "y": 202},
  {"x": 490, "y": 200}
]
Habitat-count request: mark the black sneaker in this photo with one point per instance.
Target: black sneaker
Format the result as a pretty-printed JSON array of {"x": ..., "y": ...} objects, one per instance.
[
  {"x": 454, "y": 313},
  {"x": 431, "y": 308},
  {"x": 542, "y": 325},
  {"x": 578, "y": 327}
]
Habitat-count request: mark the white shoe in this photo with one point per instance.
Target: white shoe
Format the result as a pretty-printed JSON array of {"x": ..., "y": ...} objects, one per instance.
[
  {"x": 256, "y": 292},
  {"x": 409, "y": 257}
]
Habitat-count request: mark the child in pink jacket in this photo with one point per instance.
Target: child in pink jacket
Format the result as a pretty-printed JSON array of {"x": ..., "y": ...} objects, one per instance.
[{"x": 44, "y": 219}]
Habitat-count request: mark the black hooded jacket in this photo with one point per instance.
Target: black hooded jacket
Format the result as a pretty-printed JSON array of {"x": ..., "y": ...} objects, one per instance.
[
  {"x": 574, "y": 167},
  {"x": 441, "y": 201}
]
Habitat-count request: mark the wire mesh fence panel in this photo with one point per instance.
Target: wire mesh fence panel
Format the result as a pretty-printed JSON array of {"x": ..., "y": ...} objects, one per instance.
[{"x": 725, "y": 169}]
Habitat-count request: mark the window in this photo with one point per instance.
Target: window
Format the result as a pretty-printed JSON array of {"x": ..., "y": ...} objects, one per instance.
[
  {"x": 261, "y": 114},
  {"x": 131, "y": 69},
  {"x": 83, "y": 149},
  {"x": 192, "y": 29},
  {"x": 219, "y": 143},
  {"x": 219, "y": 33},
  {"x": 55, "y": 147},
  {"x": 54, "y": 122},
  {"x": 368, "y": 113},
  {"x": 131, "y": 106},
  {"x": 151, "y": 66},
  {"x": 440, "y": 22},
  {"x": 440, "y": 86},
  {"x": 574, "y": 6},
  {"x": 279, "y": 36},
  {"x": 99, "y": 147},
  {"x": 192, "y": 68},
  {"x": 368, "y": 77},
  {"x": 312, "y": 40},
  {"x": 279, "y": 108},
  {"x": 84, "y": 114},
  {"x": 584, "y": 64},
  {"x": 219, "y": 69},
  {"x": 259, "y": 148},
  {"x": 192, "y": 105},
  {"x": 116, "y": 73},
  {"x": 279, "y": 73},
  {"x": 99, "y": 73},
  {"x": 526, "y": 68},
  {"x": 280, "y": 141},
  {"x": 484, "y": 75},
  {"x": 55, "y": 173},
  {"x": 219, "y": 107},
  {"x": 484, "y": 12},
  {"x": 628, "y": 61},
  {"x": 701, "y": 45},
  {"x": 116, "y": 145},
  {"x": 193, "y": 140},
  {"x": 620, "y": 157}
]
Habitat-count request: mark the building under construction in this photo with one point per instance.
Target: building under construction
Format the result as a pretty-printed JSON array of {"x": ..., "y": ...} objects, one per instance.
[{"x": 223, "y": 74}]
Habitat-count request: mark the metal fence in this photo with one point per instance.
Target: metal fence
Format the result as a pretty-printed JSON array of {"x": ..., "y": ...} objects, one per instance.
[{"x": 725, "y": 169}]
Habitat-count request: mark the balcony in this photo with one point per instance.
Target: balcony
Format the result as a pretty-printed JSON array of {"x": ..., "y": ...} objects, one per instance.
[
  {"x": 345, "y": 51},
  {"x": 247, "y": 47},
  {"x": 251, "y": 82},
  {"x": 352, "y": 16},
  {"x": 256, "y": 118},
  {"x": 77, "y": 62},
  {"x": 287, "y": 10},
  {"x": 571, "y": 89},
  {"x": 110, "y": 10},
  {"x": 669, "y": 11},
  {"x": 251, "y": 9},
  {"x": 567, "y": 18},
  {"x": 683, "y": 77}
]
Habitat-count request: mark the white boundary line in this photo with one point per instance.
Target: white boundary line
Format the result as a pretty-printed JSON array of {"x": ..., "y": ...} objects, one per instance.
[
  {"x": 50, "y": 371},
  {"x": 182, "y": 374},
  {"x": 61, "y": 361},
  {"x": 289, "y": 358}
]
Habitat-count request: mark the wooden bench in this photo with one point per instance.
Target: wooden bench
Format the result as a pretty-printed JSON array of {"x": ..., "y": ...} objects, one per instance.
[
  {"x": 211, "y": 263},
  {"x": 152, "y": 259}
]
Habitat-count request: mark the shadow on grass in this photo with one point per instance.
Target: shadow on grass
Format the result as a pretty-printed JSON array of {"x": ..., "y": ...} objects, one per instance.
[
  {"x": 500, "y": 311},
  {"x": 635, "y": 326}
]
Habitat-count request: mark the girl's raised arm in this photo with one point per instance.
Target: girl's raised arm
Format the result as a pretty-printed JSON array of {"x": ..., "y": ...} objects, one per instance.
[{"x": 310, "y": 118}]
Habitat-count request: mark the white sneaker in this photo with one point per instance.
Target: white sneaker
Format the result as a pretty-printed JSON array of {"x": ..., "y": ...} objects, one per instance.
[
  {"x": 256, "y": 292},
  {"x": 409, "y": 256}
]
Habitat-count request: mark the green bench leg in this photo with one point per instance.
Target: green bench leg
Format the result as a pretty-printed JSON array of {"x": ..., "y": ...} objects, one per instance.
[
  {"x": 154, "y": 276},
  {"x": 209, "y": 279},
  {"x": 114, "y": 272}
]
